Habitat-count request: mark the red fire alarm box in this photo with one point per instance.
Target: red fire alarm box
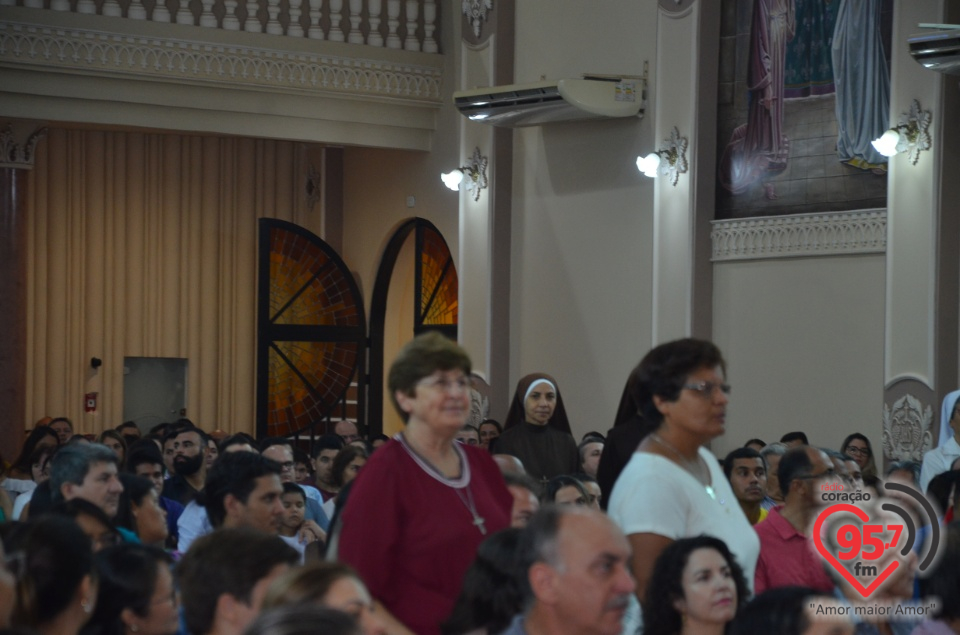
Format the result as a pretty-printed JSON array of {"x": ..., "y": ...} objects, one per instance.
[{"x": 90, "y": 402}]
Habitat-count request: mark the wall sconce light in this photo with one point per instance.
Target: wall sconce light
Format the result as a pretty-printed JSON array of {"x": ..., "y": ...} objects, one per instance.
[
  {"x": 475, "y": 170},
  {"x": 670, "y": 160},
  {"x": 911, "y": 133}
]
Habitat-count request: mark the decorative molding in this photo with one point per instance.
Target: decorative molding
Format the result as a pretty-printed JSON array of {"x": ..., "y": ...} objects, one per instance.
[
  {"x": 186, "y": 61},
  {"x": 476, "y": 13},
  {"x": 16, "y": 155},
  {"x": 479, "y": 399},
  {"x": 917, "y": 139},
  {"x": 834, "y": 233},
  {"x": 477, "y": 171},
  {"x": 675, "y": 150},
  {"x": 906, "y": 429}
]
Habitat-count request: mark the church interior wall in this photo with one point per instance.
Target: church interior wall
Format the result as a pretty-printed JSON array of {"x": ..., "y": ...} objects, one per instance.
[
  {"x": 803, "y": 339},
  {"x": 582, "y": 214}
]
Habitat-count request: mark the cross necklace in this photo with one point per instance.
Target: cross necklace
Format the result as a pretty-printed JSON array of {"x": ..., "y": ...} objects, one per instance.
[
  {"x": 478, "y": 520},
  {"x": 459, "y": 485}
]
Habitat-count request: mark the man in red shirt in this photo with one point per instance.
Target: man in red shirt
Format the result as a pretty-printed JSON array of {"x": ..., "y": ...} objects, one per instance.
[{"x": 788, "y": 556}]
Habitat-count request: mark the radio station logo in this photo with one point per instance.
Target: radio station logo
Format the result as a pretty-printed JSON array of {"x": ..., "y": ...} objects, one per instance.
[{"x": 867, "y": 544}]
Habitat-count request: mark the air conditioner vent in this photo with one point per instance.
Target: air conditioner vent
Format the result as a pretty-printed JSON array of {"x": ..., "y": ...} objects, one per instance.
[{"x": 517, "y": 105}]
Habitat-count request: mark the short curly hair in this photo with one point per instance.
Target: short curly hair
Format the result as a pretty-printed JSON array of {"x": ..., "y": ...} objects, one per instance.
[
  {"x": 663, "y": 371},
  {"x": 421, "y": 357},
  {"x": 660, "y": 616}
]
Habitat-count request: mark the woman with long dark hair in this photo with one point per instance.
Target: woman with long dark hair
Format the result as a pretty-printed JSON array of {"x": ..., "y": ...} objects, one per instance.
[
  {"x": 489, "y": 430},
  {"x": 697, "y": 587},
  {"x": 858, "y": 448},
  {"x": 115, "y": 441},
  {"x": 57, "y": 582},
  {"x": 566, "y": 490},
  {"x": 137, "y": 593},
  {"x": 39, "y": 437},
  {"x": 346, "y": 466},
  {"x": 139, "y": 511}
]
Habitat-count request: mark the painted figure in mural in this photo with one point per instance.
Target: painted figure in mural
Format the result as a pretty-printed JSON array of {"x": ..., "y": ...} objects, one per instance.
[
  {"x": 863, "y": 84},
  {"x": 759, "y": 146}
]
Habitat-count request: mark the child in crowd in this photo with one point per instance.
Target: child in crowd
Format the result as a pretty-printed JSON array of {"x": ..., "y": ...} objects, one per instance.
[{"x": 294, "y": 501}]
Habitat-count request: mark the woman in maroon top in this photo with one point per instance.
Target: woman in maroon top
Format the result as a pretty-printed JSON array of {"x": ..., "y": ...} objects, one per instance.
[{"x": 423, "y": 503}]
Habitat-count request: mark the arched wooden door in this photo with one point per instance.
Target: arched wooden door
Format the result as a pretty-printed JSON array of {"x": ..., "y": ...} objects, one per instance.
[
  {"x": 436, "y": 289},
  {"x": 310, "y": 334}
]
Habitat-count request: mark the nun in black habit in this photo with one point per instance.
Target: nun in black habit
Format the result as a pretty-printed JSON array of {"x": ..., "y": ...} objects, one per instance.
[{"x": 537, "y": 431}]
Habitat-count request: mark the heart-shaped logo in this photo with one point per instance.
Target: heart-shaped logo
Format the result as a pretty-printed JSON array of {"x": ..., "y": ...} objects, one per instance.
[{"x": 865, "y": 591}]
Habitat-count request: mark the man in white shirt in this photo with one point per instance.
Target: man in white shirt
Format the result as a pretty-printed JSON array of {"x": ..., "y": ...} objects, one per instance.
[{"x": 939, "y": 459}]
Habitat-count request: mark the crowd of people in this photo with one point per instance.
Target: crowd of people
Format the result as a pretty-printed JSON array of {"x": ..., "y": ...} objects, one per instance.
[{"x": 455, "y": 529}]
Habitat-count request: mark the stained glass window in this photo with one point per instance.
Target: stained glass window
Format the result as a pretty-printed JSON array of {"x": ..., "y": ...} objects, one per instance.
[
  {"x": 311, "y": 330},
  {"x": 435, "y": 305},
  {"x": 437, "y": 283}
]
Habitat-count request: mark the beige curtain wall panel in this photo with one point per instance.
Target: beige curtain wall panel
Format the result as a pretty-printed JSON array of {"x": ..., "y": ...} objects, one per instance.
[{"x": 144, "y": 245}]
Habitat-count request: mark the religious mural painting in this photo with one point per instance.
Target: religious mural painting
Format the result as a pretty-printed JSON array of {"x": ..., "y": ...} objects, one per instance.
[{"x": 804, "y": 89}]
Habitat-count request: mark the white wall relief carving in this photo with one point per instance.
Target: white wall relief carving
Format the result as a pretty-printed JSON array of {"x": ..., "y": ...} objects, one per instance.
[
  {"x": 476, "y": 12},
  {"x": 906, "y": 429},
  {"x": 14, "y": 154},
  {"x": 831, "y": 233},
  {"x": 190, "y": 61}
]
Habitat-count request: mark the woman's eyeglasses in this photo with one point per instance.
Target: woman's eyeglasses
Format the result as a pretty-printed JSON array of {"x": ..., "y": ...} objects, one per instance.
[
  {"x": 707, "y": 388},
  {"x": 445, "y": 384}
]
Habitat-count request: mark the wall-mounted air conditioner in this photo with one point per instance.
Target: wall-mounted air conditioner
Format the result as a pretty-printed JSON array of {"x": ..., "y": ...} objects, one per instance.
[
  {"x": 591, "y": 97},
  {"x": 940, "y": 50}
]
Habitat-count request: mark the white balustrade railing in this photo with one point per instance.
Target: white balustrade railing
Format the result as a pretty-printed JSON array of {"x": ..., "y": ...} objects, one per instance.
[{"x": 395, "y": 24}]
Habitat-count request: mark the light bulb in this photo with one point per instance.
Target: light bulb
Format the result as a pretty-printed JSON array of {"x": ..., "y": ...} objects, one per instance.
[
  {"x": 887, "y": 143},
  {"x": 649, "y": 164},
  {"x": 452, "y": 179}
]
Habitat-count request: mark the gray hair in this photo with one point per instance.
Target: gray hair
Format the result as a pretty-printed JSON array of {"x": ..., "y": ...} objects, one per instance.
[
  {"x": 776, "y": 449},
  {"x": 904, "y": 466},
  {"x": 541, "y": 540},
  {"x": 72, "y": 462}
]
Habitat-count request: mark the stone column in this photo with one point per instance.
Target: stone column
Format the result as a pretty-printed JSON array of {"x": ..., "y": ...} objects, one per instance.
[
  {"x": 486, "y": 54},
  {"x": 17, "y": 147},
  {"x": 685, "y": 97},
  {"x": 923, "y": 271}
]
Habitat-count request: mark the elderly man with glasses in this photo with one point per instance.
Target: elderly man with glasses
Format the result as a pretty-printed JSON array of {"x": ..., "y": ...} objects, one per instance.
[{"x": 787, "y": 553}]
